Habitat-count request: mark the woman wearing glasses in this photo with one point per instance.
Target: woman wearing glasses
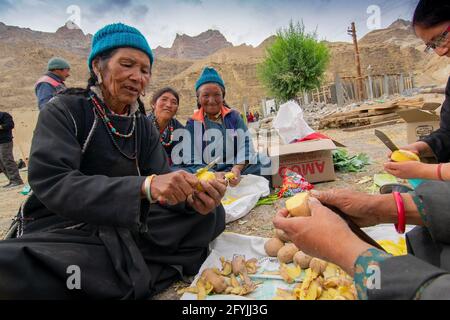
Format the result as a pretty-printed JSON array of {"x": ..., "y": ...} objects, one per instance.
[
  {"x": 431, "y": 23},
  {"x": 424, "y": 273}
]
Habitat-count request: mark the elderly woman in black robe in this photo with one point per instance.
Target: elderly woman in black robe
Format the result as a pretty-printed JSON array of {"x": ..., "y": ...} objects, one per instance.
[
  {"x": 425, "y": 272},
  {"x": 107, "y": 219}
]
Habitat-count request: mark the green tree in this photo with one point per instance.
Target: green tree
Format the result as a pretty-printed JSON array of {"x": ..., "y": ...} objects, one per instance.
[{"x": 295, "y": 62}]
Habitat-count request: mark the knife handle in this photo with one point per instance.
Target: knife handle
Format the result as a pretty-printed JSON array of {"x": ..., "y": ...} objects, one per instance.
[{"x": 356, "y": 229}]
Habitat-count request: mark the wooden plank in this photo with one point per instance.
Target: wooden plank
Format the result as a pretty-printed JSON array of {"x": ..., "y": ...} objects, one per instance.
[
  {"x": 365, "y": 110},
  {"x": 357, "y": 121},
  {"x": 374, "y": 119},
  {"x": 374, "y": 125}
]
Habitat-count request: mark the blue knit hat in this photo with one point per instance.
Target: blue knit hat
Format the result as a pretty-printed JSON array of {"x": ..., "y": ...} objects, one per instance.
[
  {"x": 209, "y": 75},
  {"x": 57, "y": 63},
  {"x": 118, "y": 35}
]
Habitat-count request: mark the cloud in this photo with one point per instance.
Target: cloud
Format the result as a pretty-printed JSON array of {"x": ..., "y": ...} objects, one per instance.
[
  {"x": 249, "y": 21},
  {"x": 195, "y": 2},
  {"x": 5, "y": 5}
]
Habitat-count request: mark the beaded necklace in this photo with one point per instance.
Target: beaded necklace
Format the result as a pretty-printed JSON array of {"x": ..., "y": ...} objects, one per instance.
[
  {"x": 168, "y": 132},
  {"x": 101, "y": 110}
]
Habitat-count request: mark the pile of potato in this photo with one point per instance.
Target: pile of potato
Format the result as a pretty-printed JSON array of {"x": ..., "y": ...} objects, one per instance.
[
  {"x": 323, "y": 280},
  {"x": 233, "y": 279}
]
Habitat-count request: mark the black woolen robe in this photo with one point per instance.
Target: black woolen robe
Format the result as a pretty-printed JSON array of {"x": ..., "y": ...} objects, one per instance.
[
  {"x": 439, "y": 141},
  {"x": 86, "y": 211}
]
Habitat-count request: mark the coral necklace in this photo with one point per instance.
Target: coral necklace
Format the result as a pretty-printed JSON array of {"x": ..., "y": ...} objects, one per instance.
[
  {"x": 101, "y": 110},
  {"x": 168, "y": 132}
]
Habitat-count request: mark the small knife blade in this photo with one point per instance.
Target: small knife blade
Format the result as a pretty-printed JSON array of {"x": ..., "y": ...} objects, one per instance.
[
  {"x": 208, "y": 167},
  {"x": 386, "y": 140}
]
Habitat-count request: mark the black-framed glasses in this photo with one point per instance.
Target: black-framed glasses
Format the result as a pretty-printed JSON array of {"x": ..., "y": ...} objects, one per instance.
[{"x": 438, "y": 42}]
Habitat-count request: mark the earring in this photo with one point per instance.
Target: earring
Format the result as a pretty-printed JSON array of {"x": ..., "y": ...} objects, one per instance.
[
  {"x": 143, "y": 93},
  {"x": 99, "y": 78}
]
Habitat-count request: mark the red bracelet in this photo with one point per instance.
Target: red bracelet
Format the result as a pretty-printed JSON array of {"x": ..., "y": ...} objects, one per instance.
[
  {"x": 439, "y": 171},
  {"x": 400, "y": 226}
]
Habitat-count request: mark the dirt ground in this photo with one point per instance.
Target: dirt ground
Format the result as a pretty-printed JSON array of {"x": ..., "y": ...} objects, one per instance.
[{"x": 259, "y": 221}]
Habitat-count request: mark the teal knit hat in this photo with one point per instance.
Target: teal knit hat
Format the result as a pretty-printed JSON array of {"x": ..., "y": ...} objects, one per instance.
[
  {"x": 209, "y": 75},
  {"x": 57, "y": 63},
  {"x": 118, "y": 35}
]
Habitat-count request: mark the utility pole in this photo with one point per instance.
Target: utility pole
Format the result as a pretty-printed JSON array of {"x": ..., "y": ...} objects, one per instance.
[{"x": 352, "y": 32}]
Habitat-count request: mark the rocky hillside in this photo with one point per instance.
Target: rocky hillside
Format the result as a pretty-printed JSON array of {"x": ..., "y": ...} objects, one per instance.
[
  {"x": 399, "y": 33},
  {"x": 65, "y": 38},
  {"x": 198, "y": 47},
  {"x": 24, "y": 54}
]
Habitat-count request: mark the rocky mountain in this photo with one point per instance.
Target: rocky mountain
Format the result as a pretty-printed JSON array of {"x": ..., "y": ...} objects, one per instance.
[
  {"x": 399, "y": 33},
  {"x": 24, "y": 54},
  {"x": 68, "y": 37},
  {"x": 198, "y": 47}
]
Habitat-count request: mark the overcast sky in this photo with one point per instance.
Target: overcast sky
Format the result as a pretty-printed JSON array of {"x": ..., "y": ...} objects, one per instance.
[{"x": 241, "y": 21}]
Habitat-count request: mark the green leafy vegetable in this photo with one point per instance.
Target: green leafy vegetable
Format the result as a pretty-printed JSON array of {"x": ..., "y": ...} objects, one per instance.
[{"x": 345, "y": 163}]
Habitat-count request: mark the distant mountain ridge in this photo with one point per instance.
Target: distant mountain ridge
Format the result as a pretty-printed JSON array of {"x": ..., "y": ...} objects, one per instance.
[
  {"x": 198, "y": 47},
  {"x": 24, "y": 54},
  {"x": 66, "y": 38}
]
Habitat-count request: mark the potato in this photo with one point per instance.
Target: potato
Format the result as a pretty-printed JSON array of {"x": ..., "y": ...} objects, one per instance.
[
  {"x": 302, "y": 260},
  {"x": 318, "y": 266},
  {"x": 404, "y": 155},
  {"x": 216, "y": 280},
  {"x": 280, "y": 234},
  {"x": 272, "y": 247},
  {"x": 205, "y": 176},
  {"x": 230, "y": 176},
  {"x": 286, "y": 254},
  {"x": 298, "y": 205}
]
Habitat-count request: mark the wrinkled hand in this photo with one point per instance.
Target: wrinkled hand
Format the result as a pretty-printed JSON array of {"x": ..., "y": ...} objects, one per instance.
[
  {"x": 405, "y": 170},
  {"x": 358, "y": 205},
  {"x": 220, "y": 175},
  {"x": 173, "y": 188},
  {"x": 206, "y": 201},
  {"x": 324, "y": 234}
]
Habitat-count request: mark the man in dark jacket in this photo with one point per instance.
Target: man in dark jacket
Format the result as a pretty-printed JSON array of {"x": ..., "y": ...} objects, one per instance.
[
  {"x": 7, "y": 164},
  {"x": 52, "y": 82}
]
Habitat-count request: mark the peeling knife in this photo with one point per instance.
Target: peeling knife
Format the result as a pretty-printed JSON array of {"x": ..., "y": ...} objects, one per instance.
[
  {"x": 208, "y": 167},
  {"x": 386, "y": 140}
]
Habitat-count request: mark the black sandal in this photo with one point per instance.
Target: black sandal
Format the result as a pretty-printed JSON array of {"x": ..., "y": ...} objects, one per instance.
[{"x": 395, "y": 187}]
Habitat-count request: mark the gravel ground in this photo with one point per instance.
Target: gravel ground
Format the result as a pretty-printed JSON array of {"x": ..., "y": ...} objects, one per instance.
[{"x": 259, "y": 221}]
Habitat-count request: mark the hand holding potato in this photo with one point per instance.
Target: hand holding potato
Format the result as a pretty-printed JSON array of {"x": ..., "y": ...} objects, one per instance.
[
  {"x": 407, "y": 170},
  {"x": 173, "y": 188},
  {"x": 210, "y": 198},
  {"x": 319, "y": 234},
  {"x": 362, "y": 207}
]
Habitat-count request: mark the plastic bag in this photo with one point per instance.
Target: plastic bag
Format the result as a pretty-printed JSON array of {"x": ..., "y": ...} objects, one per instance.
[
  {"x": 290, "y": 123},
  {"x": 239, "y": 201}
]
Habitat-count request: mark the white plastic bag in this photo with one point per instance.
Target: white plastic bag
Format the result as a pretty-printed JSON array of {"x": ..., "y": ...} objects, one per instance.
[
  {"x": 290, "y": 123},
  {"x": 239, "y": 201}
]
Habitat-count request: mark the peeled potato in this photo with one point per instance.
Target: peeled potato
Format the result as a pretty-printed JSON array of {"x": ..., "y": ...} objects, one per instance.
[
  {"x": 230, "y": 176},
  {"x": 272, "y": 247},
  {"x": 205, "y": 176},
  {"x": 280, "y": 234},
  {"x": 404, "y": 155},
  {"x": 286, "y": 254},
  {"x": 302, "y": 260},
  {"x": 298, "y": 205}
]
